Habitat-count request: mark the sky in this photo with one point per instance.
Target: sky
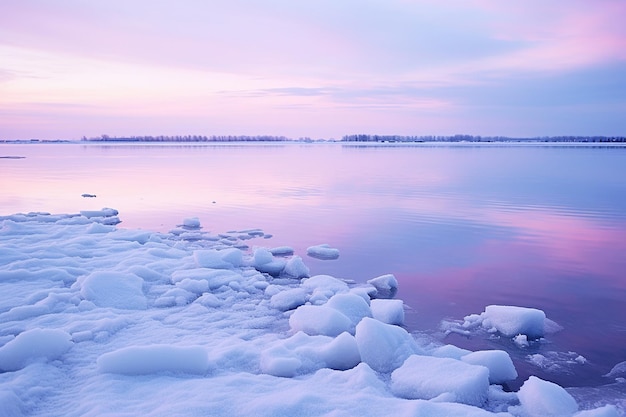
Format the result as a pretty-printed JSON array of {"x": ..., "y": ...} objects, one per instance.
[{"x": 312, "y": 68}]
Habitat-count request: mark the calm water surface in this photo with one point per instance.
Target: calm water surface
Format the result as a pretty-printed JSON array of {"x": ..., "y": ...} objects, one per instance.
[{"x": 460, "y": 226}]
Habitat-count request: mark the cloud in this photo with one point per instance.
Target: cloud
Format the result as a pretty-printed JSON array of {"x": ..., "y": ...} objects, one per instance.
[{"x": 464, "y": 64}]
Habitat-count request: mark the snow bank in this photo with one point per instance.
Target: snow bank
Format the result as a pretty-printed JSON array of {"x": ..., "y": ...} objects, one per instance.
[{"x": 185, "y": 322}]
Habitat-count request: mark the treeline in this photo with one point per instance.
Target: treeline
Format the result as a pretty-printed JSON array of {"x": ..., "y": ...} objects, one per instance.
[
  {"x": 186, "y": 138},
  {"x": 471, "y": 138},
  {"x": 355, "y": 138}
]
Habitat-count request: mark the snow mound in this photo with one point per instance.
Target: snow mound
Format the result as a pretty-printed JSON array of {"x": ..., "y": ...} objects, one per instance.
[
  {"x": 113, "y": 289},
  {"x": 142, "y": 360},
  {"x": 443, "y": 379},
  {"x": 48, "y": 344}
]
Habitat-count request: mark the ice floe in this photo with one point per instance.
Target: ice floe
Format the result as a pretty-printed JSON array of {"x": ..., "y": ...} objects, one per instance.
[
  {"x": 323, "y": 251},
  {"x": 96, "y": 320}
]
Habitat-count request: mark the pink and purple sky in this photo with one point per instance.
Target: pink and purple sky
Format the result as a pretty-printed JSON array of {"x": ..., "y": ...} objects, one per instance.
[{"x": 320, "y": 68}]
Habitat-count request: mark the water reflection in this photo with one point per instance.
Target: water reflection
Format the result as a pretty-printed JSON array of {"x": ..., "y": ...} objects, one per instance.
[{"x": 461, "y": 227}]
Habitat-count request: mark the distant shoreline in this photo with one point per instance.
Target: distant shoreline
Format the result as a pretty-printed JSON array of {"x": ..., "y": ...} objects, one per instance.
[{"x": 360, "y": 139}]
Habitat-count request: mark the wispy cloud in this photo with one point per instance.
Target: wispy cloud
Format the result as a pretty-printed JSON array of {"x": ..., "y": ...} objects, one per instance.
[{"x": 244, "y": 61}]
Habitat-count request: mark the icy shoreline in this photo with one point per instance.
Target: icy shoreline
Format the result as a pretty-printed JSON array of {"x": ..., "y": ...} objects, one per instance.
[{"x": 97, "y": 320}]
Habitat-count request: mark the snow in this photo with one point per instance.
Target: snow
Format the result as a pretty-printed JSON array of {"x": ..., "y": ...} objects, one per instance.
[{"x": 97, "y": 320}]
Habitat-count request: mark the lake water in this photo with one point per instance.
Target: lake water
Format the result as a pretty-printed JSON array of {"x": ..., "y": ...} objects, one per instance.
[{"x": 461, "y": 226}]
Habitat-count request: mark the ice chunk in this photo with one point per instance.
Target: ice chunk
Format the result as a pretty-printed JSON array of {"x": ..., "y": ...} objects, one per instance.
[
  {"x": 521, "y": 340},
  {"x": 325, "y": 283},
  {"x": 499, "y": 363},
  {"x": 191, "y": 223},
  {"x": 388, "y": 311},
  {"x": 384, "y": 347},
  {"x": 351, "y": 305},
  {"x": 386, "y": 286},
  {"x": 427, "y": 377},
  {"x": 296, "y": 268},
  {"x": 282, "y": 251},
  {"x": 319, "y": 320},
  {"x": 289, "y": 299},
  {"x": 264, "y": 261},
  {"x": 540, "y": 398},
  {"x": 31, "y": 345},
  {"x": 342, "y": 353},
  {"x": 450, "y": 351},
  {"x": 105, "y": 212},
  {"x": 512, "y": 321},
  {"x": 619, "y": 370},
  {"x": 323, "y": 251},
  {"x": 113, "y": 289},
  {"x": 141, "y": 360}
]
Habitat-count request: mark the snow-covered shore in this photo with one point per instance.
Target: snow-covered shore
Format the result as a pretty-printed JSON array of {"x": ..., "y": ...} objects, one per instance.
[{"x": 97, "y": 320}]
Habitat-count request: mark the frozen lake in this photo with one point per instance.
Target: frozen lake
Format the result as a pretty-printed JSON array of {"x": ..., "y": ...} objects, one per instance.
[{"x": 460, "y": 226}]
